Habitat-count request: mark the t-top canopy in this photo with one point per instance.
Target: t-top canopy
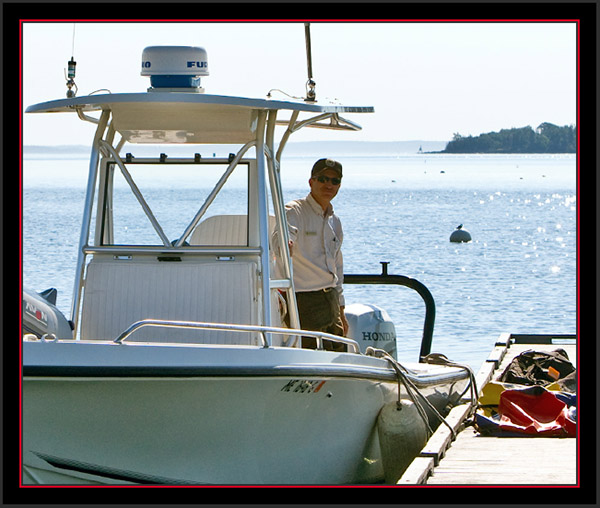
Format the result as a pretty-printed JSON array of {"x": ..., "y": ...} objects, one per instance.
[{"x": 189, "y": 118}]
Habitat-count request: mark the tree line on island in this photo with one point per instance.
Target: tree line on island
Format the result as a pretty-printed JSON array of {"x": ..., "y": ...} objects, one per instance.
[{"x": 547, "y": 138}]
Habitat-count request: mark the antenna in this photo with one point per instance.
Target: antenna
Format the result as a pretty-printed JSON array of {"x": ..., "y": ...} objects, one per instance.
[
  {"x": 311, "y": 95},
  {"x": 71, "y": 65}
]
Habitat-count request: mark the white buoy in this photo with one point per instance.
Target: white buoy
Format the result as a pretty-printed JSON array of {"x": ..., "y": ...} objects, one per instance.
[
  {"x": 402, "y": 435},
  {"x": 460, "y": 235}
]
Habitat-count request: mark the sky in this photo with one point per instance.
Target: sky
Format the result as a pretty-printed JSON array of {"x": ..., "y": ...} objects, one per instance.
[{"x": 426, "y": 81}]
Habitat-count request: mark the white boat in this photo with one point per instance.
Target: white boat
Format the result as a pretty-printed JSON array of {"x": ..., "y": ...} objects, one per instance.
[{"x": 178, "y": 369}]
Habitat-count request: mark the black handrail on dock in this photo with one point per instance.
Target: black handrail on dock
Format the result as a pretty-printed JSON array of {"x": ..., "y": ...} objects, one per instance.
[{"x": 401, "y": 280}]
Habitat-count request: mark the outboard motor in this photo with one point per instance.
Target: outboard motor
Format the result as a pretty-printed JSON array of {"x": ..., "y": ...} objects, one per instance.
[
  {"x": 370, "y": 325},
  {"x": 41, "y": 317}
]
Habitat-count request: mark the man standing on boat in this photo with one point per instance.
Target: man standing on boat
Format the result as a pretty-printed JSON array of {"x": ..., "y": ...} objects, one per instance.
[{"x": 315, "y": 245}]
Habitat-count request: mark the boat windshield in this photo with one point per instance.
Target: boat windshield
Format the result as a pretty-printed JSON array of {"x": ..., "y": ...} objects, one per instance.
[{"x": 153, "y": 203}]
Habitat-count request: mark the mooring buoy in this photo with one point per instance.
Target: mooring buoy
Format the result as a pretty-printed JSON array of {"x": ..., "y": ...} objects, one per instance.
[{"x": 460, "y": 235}]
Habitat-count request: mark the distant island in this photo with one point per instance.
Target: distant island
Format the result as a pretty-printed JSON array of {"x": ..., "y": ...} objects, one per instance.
[
  {"x": 547, "y": 138},
  {"x": 293, "y": 149}
]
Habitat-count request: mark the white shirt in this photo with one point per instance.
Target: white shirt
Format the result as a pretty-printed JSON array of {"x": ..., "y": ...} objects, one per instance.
[{"x": 317, "y": 261}]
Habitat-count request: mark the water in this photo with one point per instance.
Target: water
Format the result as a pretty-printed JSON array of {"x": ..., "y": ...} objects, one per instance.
[{"x": 518, "y": 275}]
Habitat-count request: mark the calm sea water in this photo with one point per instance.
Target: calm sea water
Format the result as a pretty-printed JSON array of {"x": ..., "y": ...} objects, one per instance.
[{"x": 518, "y": 274}]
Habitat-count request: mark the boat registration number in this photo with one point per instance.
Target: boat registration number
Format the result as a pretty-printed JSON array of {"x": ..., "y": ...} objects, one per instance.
[{"x": 303, "y": 386}]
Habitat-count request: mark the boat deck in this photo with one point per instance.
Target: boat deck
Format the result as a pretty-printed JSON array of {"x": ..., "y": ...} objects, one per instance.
[{"x": 473, "y": 459}]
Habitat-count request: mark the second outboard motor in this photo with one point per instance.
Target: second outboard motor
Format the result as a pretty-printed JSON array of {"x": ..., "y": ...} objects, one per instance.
[
  {"x": 370, "y": 325},
  {"x": 41, "y": 317}
]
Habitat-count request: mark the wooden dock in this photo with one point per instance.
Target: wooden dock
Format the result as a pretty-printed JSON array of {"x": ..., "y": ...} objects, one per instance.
[{"x": 472, "y": 459}]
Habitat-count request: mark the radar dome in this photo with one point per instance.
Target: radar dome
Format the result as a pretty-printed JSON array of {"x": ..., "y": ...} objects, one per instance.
[{"x": 174, "y": 67}]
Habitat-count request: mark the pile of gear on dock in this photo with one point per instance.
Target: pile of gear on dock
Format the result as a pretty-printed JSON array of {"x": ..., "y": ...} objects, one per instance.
[{"x": 536, "y": 395}]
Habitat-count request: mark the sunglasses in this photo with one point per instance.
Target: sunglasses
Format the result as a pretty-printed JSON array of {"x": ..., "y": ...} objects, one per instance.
[{"x": 326, "y": 179}]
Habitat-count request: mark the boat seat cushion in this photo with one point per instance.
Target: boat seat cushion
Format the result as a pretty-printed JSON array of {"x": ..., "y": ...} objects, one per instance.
[
  {"x": 118, "y": 293},
  {"x": 224, "y": 230},
  {"x": 221, "y": 230}
]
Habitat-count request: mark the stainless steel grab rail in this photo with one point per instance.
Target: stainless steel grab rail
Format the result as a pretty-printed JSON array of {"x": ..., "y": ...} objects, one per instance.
[
  {"x": 319, "y": 336},
  {"x": 401, "y": 280}
]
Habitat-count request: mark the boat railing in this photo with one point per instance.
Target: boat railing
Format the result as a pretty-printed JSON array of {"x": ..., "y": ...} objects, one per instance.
[
  {"x": 137, "y": 249},
  {"x": 261, "y": 330},
  {"x": 401, "y": 280}
]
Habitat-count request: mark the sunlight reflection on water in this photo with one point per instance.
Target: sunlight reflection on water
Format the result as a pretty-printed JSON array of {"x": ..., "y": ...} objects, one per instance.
[{"x": 518, "y": 275}]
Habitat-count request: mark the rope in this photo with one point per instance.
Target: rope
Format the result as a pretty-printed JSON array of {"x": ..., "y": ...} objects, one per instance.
[
  {"x": 413, "y": 391},
  {"x": 284, "y": 93},
  {"x": 408, "y": 384},
  {"x": 440, "y": 359}
]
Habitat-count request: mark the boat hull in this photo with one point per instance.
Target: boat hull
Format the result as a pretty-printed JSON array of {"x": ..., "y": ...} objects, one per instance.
[
  {"x": 205, "y": 430},
  {"x": 274, "y": 426}
]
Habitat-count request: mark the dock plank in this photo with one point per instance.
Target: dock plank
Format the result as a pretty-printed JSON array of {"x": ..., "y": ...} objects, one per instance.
[
  {"x": 440, "y": 441},
  {"x": 475, "y": 459},
  {"x": 484, "y": 375},
  {"x": 418, "y": 471}
]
